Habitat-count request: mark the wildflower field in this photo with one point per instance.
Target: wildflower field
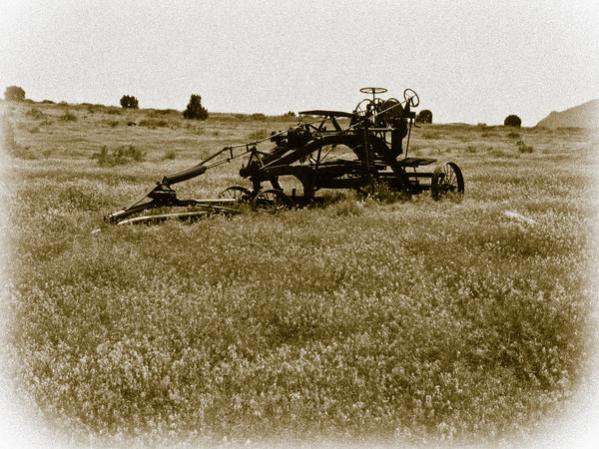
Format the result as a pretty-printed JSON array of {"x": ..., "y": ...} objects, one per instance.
[{"x": 357, "y": 320}]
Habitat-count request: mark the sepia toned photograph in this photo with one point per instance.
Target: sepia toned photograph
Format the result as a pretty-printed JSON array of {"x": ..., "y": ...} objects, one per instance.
[{"x": 299, "y": 224}]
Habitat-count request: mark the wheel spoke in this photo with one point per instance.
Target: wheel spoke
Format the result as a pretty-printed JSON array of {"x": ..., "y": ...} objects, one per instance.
[
  {"x": 273, "y": 200},
  {"x": 237, "y": 193},
  {"x": 447, "y": 179}
]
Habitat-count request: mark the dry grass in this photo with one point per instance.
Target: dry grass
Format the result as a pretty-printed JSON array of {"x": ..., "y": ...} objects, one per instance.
[{"x": 410, "y": 320}]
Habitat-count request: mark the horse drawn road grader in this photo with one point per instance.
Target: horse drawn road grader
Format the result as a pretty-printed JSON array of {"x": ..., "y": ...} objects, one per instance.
[{"x": 325, "y": 150}]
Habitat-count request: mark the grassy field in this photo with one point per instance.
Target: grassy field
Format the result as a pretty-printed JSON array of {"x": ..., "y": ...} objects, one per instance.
[{"x": 406, "y": 321}]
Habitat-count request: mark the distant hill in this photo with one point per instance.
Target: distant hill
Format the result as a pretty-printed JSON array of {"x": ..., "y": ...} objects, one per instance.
[{"x": 585, "y": 115}]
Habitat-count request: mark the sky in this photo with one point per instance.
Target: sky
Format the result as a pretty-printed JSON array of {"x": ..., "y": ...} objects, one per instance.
[{"x": 469, "y": 61}]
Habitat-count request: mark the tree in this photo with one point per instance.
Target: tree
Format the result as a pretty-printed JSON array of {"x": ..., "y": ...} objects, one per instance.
[
  {"x": 129, "y": 102},
  {"x": 425, "y": 116},
  {"x": 194, "y": 109},
  {"x": 14, "y": 93},
  {"x": 512, "y": 120}
]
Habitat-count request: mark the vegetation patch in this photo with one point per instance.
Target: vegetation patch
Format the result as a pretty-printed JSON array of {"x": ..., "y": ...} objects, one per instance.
[
  {"x": 155, "y": 123},
  {"x": 258, "y": 134},
  {"x": 523, "y": 148},
  {"x": 432, "y": 135},
  {"x": 118, "y": 156},
  {"x": 36, "y": 114},
  {"x": 68, "y": 116},
  {"x": 169, "y": 154}
]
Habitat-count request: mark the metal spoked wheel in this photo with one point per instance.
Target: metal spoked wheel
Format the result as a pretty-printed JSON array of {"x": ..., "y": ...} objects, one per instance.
[
  {"x": 272, "y": 201},
  {"x": 238, "y": 193},
  {"x": 447, "y": 180}
]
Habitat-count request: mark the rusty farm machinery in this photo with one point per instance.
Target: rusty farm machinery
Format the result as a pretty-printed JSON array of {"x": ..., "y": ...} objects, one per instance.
[{"x": 325, "y": 150}]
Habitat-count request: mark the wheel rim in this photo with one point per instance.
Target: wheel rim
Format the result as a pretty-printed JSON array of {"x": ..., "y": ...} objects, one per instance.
[
  {"x": 238, "y": 193},
  {"x": 272, "y": 200},
  {"x": 447, "y": 180}
]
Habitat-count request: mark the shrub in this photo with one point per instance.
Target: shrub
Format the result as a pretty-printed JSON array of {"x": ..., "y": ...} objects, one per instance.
[
  {"x": 161, "y": 112},
  {"x": 194, "y": 109},
  {"x": 258, "y": 134},
  {"x": 523, "y": 148},
  {"x": 432, "y": 135},
  {"x": 513, "y": 135},
  {"x": 35, "y": 113},
  {"x": 425, "y": 116},
  {"x": 129, "y": 102},
  {"x": 348, "y": 207},
  {"x": 118, "y": 156},
  {"x": 154, "y": 123},
  {"x": 169, "y": 155},
  {"x": 381, "y": 191},
  {"x": 258, "y": 116},
  {"x": 68, "y": 116},
  {"x": 512, "y": 120},
  {"x": 14, "y": 93},
  {"x": 488, "y": 134}
]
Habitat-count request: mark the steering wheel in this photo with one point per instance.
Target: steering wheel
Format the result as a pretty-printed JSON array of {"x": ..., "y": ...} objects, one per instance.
[
  {"x": 411, "y": 97},
  {"x": 373, "y": 90}
]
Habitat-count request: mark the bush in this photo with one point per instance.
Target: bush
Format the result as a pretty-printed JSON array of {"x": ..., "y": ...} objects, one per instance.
[
  {"x": 129, "y": 102},
  {"x": 154, "y": 123},
  {"x": 512, "y": 120},
  {"x": 169, "y": 155},
  {"x": 258, "y": 134},
  {"x": 161, "y": 112},
  {"x": 14, "y": 93},
  {"x": 381, "y": 191},
  {"x": 119, "y": 156},
  {"x": 35, "y": 113},
  {"x": 68, "y": 116},
  {"x": 425, "y": 116},
  {"x": 523, "y": 148},
  {"x": 194, "y": 109},
  {"x": 432, "y": 135}
]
